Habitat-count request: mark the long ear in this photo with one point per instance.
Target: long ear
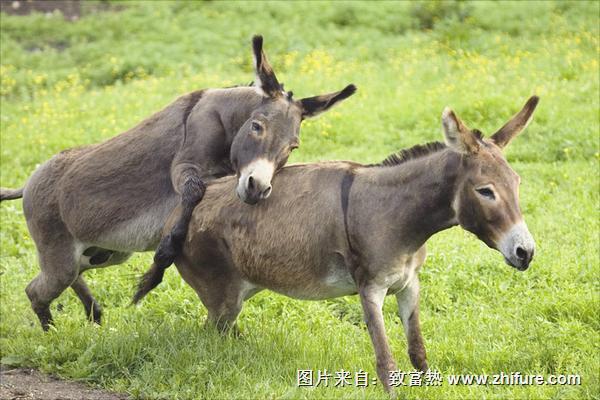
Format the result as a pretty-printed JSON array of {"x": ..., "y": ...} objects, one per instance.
[
  {"x": 457, "y": 135},
  {"x": 313, "y": 106},
  {"x": 265, "y": 77},
  {"x": 516, "y": 124}
]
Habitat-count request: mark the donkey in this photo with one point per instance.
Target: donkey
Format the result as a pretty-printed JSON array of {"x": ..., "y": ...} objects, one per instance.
[
  {"x": 93, "y": 206},
  {"x": 340, "y": 228}
]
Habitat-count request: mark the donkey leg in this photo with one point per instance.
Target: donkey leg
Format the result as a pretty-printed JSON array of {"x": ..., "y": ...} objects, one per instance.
[
  {"x": 223, "y": 318},
  {"x": 58, "y": 271},
  {"x": 192, "y": 192},
  {"x": 224, "y": 315},
  {"x": 371, "y": 298},
  {"x": 92, "y": 309},
  {"x": 221, "y": 293},
  {"x": 408, "y": 309},
  {"x": 224, "y": 307}
]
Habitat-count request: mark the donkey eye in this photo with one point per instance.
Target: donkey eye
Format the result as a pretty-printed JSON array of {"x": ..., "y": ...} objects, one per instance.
[
  {"x": 487, "y": 193},
  {"x": 256, "y": 127}
]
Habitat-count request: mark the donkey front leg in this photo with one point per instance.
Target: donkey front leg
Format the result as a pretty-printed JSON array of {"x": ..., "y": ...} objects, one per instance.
[
  {"x": 189, "y": 184},
  {"x": 408, "y": 309},
  {"x": 371, "y": 298}
]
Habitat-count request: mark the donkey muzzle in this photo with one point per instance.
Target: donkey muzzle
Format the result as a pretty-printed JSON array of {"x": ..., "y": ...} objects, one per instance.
[
  {"x": 517, "y": 246},
  {"x": 254, "y": 183}
]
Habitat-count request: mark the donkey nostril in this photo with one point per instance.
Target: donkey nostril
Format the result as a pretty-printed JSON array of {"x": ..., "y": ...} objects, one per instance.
[
  {"x": 521, "y": 253},
  {"x": 266, "y": 192},
  {"x": 250, "y": 183}
]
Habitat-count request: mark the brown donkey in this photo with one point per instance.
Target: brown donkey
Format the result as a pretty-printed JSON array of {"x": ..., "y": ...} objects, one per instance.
[
  {"x": 93, "y": 206},
  {"x": 340, "y": 228}
]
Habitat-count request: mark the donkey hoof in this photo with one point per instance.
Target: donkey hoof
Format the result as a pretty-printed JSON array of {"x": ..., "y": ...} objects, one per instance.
[
  {"x": 47, "y": 325},
  {"x": 234, "y": 332},
  {"x": 96, "y": 314}
]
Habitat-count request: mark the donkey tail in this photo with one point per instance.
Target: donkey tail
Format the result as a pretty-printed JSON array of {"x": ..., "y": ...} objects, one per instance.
[
  {"x": 10, "y": 194},
  {"x": 149, "y": 281},
  {"x": 163, "y": 258}
]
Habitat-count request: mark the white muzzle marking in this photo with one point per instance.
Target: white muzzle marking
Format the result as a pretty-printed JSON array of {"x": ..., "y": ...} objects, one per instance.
[
  {"x": 517, "y": 246},
  {"x": 255, "y": 180}
]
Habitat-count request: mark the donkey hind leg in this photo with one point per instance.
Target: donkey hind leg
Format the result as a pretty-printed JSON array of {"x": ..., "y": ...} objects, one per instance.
[
  {"x": 224, "y": 302},
  {"x": 59, "y": 269},
  {"x": 94, "y": 257},
  {"x": 92, "y": 308},
  {"x": 408, "y": 309},
  {"x": 224, "y": 310},
  {"x": 170, "y": 244}
]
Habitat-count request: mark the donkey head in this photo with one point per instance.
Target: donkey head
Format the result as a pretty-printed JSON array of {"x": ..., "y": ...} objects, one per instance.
[
  {"x": 264, "y": 142},
  {"x": 487, "y": 193}
]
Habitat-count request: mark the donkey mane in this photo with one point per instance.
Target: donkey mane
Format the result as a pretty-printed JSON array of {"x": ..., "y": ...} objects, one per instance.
[
  {"x": 418, "y": 151},
  {"x": 288, "y": 95},
  {"x": 249, "y": 84},
  {"x": 404, "y": 155}
]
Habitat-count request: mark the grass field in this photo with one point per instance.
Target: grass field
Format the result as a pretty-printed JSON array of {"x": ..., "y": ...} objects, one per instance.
[{"x": 64, "y": 84}]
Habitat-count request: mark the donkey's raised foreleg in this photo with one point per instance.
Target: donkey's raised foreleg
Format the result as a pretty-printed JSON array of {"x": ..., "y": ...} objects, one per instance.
[
  {"x": 191, "y": 187},
  {"x": 170, "y": 245},
  {"x": 192, "y": 190},
  {"x": 408, "y": 309},
  {"x": 371, "y": 298}
]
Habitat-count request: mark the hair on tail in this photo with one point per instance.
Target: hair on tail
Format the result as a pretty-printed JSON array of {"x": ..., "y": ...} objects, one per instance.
[
  {"x": 10, "y": 194},
  {"x": 151, "y": 279}
]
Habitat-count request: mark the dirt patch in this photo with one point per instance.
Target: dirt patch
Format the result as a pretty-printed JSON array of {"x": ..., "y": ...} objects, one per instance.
[
  {"x": 27, "y": 384},
  {"x": 71, "y": 10}
]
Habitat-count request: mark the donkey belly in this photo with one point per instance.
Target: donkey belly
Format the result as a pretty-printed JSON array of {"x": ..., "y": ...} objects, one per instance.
[
  {"x": 95, "y": 257},
  {"x": 328, "y": 280},
  {"x": 337, "y": 281},
  {"x": 141, "y": 233},
  {"x": 336, "y": 284}
]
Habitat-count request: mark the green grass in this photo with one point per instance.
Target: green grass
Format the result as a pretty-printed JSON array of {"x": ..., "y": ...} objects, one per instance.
[{"x": 66, "y": 84}]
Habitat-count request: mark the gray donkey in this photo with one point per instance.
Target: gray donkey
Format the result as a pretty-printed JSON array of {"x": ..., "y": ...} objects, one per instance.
[
  {"x": 93, "y": 206},
  {"x": 340, "y": 228}
]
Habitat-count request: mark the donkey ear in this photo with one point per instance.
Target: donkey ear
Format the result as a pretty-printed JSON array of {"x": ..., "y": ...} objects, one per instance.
[
  {"x": 313, "y": 106},
  {"x": 265, "y": 77},
  {"x": 457, "y": 135},
  {"x": 516, "y": 124}
]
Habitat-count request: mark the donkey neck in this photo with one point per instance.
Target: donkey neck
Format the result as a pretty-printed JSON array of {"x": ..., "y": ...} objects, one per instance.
[
  {"x": 416, "y": 196},
  {"x": 235, "y": 106},
  {"x": 222, "y": 112}
]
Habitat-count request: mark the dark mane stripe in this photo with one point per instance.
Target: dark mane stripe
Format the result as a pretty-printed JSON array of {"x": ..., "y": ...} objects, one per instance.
[
  {"x": 412, "y": 153},
  {"x": 240, "y": 85},
  {"x": 194, "y": 97}
]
